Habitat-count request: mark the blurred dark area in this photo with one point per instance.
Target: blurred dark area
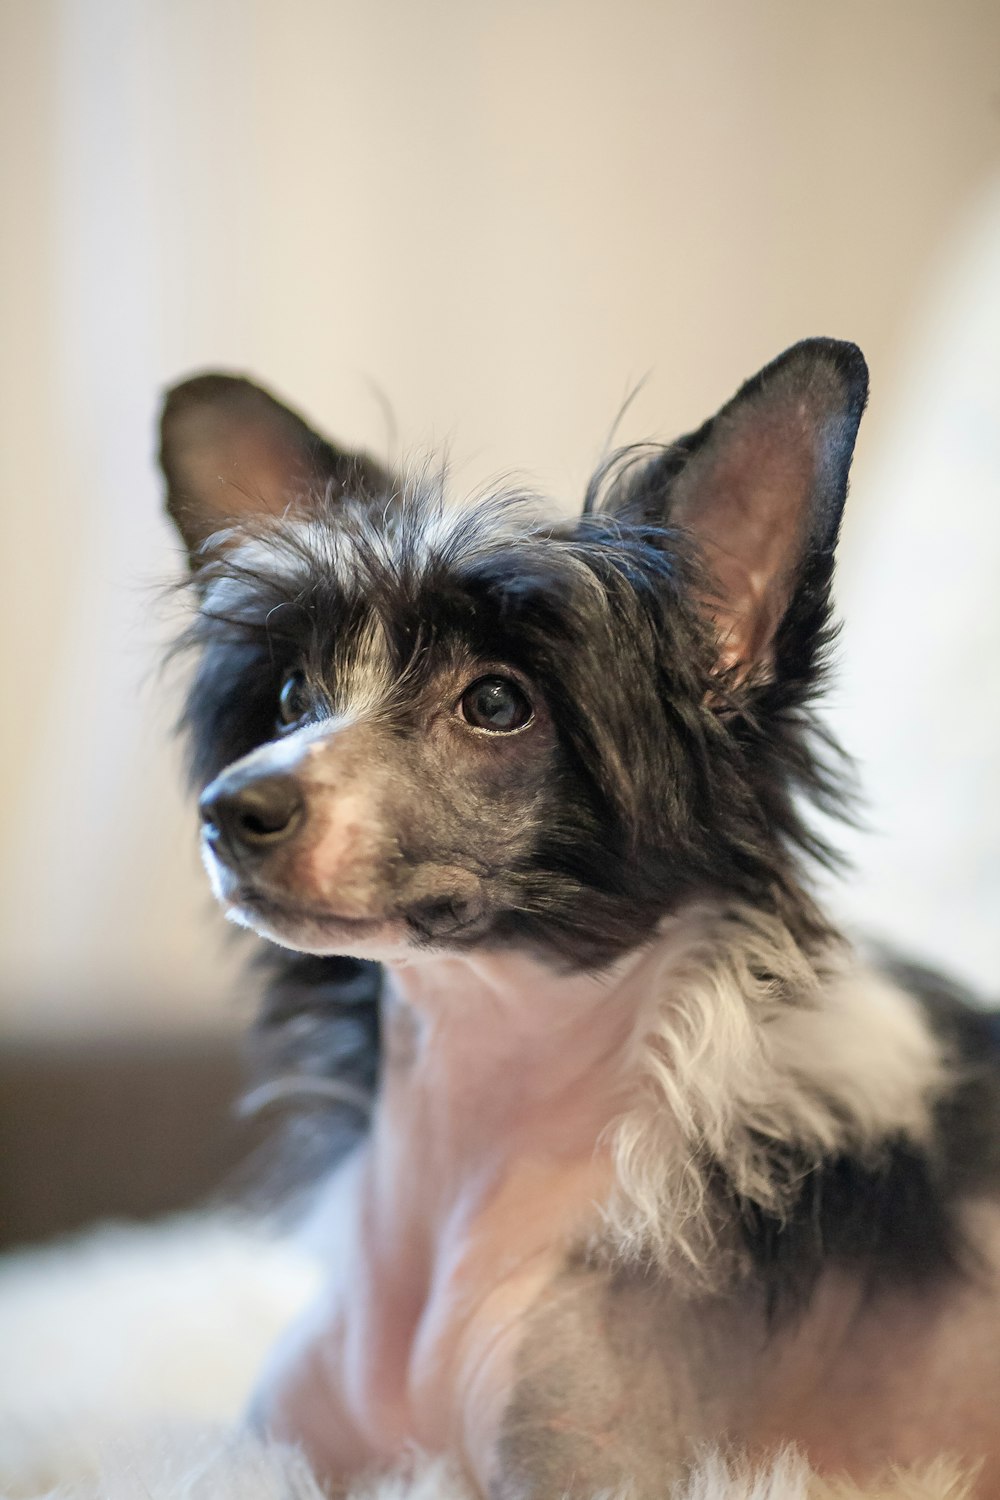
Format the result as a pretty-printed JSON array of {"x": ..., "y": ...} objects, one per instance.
[{"x": 112, "y": 1128}]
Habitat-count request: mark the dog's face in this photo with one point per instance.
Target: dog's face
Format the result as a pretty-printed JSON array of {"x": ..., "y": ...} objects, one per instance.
[{"x": 419, "y": 725}]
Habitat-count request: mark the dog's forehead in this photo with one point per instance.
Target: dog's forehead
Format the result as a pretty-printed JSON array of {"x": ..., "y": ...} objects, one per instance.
[{"x": 353, "y": 554}]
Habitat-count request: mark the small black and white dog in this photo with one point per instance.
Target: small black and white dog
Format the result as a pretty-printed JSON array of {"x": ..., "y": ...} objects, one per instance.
[{"x": 661, "y": 1179}]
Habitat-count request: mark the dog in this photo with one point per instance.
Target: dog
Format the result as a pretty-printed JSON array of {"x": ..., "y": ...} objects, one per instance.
[{"x": 658, "y": 1186}]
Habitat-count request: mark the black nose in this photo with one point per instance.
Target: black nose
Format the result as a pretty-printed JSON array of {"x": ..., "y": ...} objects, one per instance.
[{"x": 246, "y": 821}]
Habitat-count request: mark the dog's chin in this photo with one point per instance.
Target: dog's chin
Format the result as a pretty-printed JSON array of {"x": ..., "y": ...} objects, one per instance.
[
  {"x": 321, "y": 932},
  {"x": 326, "y": 933},
  {"x": 298, "y": 925},
  {"x": 304, "y": 926}
]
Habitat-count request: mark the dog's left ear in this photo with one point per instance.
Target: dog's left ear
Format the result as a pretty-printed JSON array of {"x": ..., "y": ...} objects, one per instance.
[
  {"x": 761, "y": 488},
  {"x": 230, "y": 451}
]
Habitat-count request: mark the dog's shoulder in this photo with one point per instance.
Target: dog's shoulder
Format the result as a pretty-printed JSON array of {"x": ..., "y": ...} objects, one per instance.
[
  {"x": 968, "y": 1114},
  {"x": 895, "y": 1215}
]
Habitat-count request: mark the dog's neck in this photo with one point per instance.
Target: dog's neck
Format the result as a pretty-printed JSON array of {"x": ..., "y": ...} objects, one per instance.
[
  {"x": 492, "y": 1051},
  {"x": 627, "y": 1086}
]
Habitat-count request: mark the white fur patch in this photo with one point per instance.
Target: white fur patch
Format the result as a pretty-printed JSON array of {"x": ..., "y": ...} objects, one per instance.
[
  {"x": 418, "y": 529},
  {"x": 367, "y": 678},
  {"x": 229, "y": 593},
  {"x": 788, "y": 1477},
  {"x": 744, "y": 1042},
  {"x": 440, "y": 525}
]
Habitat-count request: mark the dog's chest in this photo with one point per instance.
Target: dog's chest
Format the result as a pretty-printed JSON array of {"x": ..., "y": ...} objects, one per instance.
[
  {"x": 422, "y": 1343},
  {"x": 454, "y": 1223},
  {"x": 504, "y": 1349}
]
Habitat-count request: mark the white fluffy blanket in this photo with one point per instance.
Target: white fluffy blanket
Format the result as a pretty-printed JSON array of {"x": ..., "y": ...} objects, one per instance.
[{"x": 125, "y": 1332}]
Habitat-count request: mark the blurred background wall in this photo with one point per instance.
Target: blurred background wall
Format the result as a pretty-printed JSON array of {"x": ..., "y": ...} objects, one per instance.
[{"x": 493, "y": 219}]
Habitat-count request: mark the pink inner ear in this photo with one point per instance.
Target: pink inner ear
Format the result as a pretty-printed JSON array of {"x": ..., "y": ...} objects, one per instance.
[
  {"x": 746, "y": 502},
  {"x": 229, "y": 450},
  {"x": 243, "y": 471}
]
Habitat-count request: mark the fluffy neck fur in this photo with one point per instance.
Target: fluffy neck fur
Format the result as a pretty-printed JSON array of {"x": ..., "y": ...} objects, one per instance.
[
  {"x": 755, "y": 1063},
  {"x": 712, "y": 1067}
]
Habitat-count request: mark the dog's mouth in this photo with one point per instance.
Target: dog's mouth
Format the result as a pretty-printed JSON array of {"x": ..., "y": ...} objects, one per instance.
[
  {"x": 304, "y": 927},
  {"x": 428, "y": 921},
  {"x": 266, "y": 904}
]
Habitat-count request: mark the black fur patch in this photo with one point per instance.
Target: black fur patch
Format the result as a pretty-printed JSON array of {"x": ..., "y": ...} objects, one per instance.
[
  {"x": 895, "y": 1218},
  {"x": 313, "y": 1054}
]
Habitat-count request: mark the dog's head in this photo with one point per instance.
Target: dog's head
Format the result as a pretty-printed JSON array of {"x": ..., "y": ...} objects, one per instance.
[{"x": 418, "y": 724}]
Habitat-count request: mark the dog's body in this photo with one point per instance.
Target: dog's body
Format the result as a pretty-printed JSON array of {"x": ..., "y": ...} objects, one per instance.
[
  {"x": 463, "y": 1315},
  {"x": 655, "y": 1161}
]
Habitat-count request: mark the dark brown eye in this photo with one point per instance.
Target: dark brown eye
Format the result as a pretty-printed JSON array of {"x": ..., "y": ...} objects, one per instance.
[
  {"x": 294, "y": 700},
  {"x": 496, "y": 704}
]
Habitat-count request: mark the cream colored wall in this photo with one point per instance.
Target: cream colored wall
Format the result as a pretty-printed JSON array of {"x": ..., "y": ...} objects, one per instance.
[{"x": 497, "y": 216}]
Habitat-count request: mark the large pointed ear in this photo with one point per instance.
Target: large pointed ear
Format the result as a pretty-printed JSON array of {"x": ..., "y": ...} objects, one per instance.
[
  {"x": 761, "y": 488},
  {"x": 230, "y": 450}
]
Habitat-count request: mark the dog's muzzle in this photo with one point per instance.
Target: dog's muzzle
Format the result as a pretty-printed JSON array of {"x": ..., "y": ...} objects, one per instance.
[{"x": 289, "y": 846}]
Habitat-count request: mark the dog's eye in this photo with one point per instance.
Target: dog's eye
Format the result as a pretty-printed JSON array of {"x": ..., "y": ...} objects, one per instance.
[
  {"x": 497, "y": 704},
  {"x": 294, "y": 701}
]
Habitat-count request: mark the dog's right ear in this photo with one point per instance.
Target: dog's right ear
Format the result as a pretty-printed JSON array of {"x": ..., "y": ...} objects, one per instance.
[
  {"x": 230, "y": 451},
  {"x": 759, "y": 489}
]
